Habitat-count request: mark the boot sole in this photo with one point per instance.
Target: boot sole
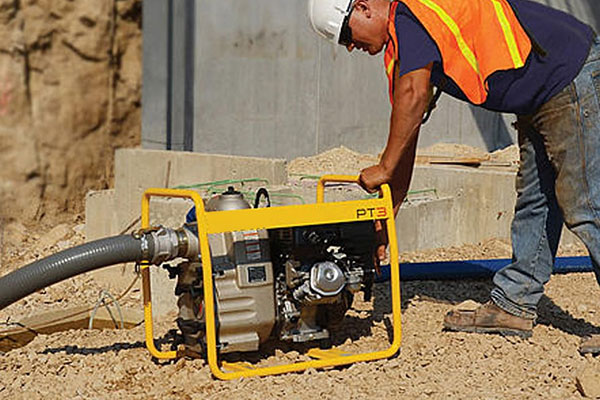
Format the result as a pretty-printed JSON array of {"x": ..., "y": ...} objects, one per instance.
[
  {"x": 499, "y": 331},
  {"x": 589, "y": 350}
]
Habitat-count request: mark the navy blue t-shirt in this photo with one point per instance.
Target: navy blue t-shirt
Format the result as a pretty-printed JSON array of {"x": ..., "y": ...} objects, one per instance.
[{"x": 565, "y": 39}]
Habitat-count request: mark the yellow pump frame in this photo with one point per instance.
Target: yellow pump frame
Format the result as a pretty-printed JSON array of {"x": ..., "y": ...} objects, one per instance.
[{"x": 271, "y": 218}]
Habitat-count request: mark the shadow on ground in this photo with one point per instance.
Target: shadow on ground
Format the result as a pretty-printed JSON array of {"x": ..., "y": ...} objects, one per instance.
[
  {"x": 170, "y": 339},
  {"x": 360, "y": 324},
  {"x": 454, "y": 292}
]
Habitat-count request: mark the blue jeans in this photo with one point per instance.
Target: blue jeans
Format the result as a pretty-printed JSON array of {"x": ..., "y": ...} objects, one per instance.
[{"x": 558, "y": 182}]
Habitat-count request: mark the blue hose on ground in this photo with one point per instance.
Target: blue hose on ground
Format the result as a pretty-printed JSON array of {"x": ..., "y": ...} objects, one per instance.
[{"x": 477, "y": 269}]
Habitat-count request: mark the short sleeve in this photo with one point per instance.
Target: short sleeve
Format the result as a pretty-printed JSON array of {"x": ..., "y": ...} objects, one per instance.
[{"x": 416, "y": 48}]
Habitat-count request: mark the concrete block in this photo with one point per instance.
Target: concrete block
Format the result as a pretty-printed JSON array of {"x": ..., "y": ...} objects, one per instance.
[
  {"x": 484, "y": 202},
  {"x": 137, "y": 170},
  {"x": 164, "y": 301},
  {"x": 425, "y": 225},
  {"x": 170, "y": 213},
  {"x": 485, "y": 199},
  {"x": 99, "y": 214}
]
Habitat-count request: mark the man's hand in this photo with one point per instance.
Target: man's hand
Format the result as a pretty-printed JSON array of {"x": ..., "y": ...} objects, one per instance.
[{"x": 373, "y": 177}]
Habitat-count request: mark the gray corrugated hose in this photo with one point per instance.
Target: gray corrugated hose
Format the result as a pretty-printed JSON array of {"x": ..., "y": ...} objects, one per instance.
[{"x": 71, "y": 262}]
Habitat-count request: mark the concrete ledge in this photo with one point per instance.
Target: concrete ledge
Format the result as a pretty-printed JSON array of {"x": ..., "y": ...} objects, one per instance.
[{"x": 109, "y": 212}]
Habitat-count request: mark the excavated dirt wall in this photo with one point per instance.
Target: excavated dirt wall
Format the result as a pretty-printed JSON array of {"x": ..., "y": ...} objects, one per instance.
[{"x": 70, "y": 93}]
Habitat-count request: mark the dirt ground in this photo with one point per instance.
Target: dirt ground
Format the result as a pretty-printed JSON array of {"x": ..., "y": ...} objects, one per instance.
[{"x": 82, "y": 364}]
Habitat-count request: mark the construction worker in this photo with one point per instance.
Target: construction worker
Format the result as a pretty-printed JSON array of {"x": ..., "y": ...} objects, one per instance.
[{"x": 510, "y": 56}]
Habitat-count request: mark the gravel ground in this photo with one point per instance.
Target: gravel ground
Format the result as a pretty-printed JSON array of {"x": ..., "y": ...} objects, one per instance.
[{"x": 433, "y": 364}]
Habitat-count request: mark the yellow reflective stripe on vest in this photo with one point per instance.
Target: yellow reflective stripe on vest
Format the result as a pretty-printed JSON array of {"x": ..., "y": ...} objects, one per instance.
[
  {"x": 462, "y": 45},
  {"x": 390, "y": 66},
  {"x": 508, "y": 35}
]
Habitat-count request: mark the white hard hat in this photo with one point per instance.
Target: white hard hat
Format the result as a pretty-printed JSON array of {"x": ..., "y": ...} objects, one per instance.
[{"x": 327, "y": 17}]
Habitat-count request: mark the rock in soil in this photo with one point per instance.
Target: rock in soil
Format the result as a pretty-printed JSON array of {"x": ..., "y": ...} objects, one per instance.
[{"x": 588, "y": 383}]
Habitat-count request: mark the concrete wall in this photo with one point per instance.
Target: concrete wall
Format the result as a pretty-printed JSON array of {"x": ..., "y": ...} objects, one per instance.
[{"x": 249, "y": 77}]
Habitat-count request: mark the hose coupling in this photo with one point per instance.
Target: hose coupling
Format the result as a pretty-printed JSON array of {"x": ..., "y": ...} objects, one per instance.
[
  {"x": 170, "y": 244},
  {"x": 166, "y": 245}
]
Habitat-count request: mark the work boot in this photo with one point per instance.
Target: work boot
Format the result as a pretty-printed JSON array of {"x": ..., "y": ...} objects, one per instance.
[
  {"x": 487, "y": 318},
  {"x": 590, "y": 345}
]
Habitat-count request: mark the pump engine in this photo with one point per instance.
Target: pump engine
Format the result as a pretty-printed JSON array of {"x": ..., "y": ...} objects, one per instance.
[{"x": 291, "y": 284}]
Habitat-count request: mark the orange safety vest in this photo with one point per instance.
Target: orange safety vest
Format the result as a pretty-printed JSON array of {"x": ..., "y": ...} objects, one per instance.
[{"x": 476, "y": 38}]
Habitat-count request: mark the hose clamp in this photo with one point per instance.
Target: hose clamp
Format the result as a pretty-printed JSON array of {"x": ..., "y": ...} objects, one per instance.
[
  {"x": 184, "y": 242},
  {"x": 144, "y": 231},
  {"x": 145, "y": 247}
]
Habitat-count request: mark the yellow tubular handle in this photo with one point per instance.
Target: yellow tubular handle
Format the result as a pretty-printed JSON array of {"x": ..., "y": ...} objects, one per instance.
[
  {"x": 332, "y": 178},
  {"x": 385, "y": 188}
]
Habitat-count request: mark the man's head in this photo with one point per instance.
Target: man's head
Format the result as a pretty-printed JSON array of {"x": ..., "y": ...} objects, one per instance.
[{"x": 354, "y": 24}]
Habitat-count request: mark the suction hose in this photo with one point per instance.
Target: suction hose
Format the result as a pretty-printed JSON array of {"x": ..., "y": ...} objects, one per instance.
[{"x": 71, "y": 262}]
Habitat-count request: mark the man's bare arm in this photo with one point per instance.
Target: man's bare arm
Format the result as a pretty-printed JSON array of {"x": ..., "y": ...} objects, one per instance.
[{"x": 411, "y": 99}]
